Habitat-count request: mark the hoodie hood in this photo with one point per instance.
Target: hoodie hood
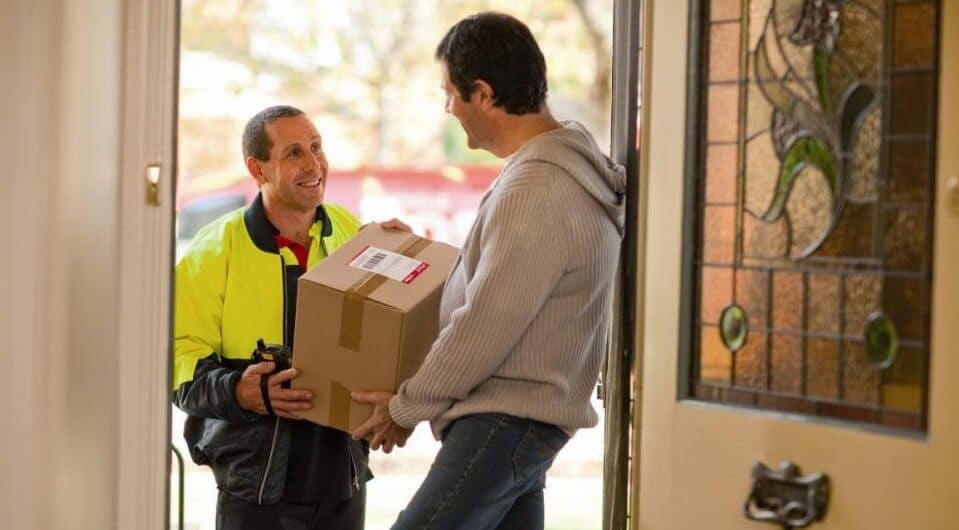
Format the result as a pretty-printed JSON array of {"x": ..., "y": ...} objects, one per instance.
[{"x": 574, "y": 150}]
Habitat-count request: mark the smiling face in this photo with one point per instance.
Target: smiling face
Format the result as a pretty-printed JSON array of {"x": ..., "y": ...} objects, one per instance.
[{"x": 294, "y": 177}]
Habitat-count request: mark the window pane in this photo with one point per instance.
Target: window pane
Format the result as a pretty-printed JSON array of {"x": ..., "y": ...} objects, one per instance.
[{"x": 815, "y": 137}]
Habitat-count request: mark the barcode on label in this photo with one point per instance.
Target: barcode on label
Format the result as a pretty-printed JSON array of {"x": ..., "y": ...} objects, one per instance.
[
  {"x": 375, "y": 260},
  {"x": 390, "y": 264}
]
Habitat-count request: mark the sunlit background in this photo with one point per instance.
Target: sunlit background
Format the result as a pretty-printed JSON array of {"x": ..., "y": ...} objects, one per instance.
[{"x": 364, "y": 71}]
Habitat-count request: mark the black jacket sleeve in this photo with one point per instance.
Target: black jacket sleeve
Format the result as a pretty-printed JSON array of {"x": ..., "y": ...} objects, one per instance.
[{"x": 212, "y": 393}]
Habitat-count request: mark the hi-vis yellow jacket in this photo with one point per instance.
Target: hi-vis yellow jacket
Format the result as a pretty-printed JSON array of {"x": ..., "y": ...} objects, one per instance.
[
  {"x": 231, "y": 283},
  {"x": 234, "y": 286}
]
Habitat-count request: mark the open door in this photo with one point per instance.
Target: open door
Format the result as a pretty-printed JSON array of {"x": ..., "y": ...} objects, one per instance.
[{"x": 800, "y": 303}]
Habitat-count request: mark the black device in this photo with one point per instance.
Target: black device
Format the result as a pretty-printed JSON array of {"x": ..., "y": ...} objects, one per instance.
[
  {"x": 282, "y": 357},
  {"x": 276, "y": 353}
]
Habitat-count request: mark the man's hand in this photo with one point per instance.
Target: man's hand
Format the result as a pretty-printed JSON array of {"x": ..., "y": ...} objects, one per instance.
[
  {"x": 285, "y": 401},
  {"x": 396, "y": 225},
  {"x": 380, "y": 429}
]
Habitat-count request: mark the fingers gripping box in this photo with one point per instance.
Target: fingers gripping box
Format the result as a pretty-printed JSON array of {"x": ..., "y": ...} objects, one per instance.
[{"x": 366, "y": 317}]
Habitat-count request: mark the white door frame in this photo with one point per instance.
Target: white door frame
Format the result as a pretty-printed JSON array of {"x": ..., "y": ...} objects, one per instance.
[
  {"x": 87, "y": 102},
  {"x": 146, "y": 233}
]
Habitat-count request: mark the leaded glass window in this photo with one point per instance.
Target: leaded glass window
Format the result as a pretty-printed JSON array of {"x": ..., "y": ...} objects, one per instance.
[{"x": 811, "y": 171}]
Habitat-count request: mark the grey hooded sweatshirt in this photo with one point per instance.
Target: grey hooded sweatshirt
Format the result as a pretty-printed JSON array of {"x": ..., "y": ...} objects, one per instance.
[{"x": 525, "y": 312}]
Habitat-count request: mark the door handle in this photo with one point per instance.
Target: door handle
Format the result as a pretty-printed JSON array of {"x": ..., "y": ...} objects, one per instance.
[{"x": 786, "y": 498}]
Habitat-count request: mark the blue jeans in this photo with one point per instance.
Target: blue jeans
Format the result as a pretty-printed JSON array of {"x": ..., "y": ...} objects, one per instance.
[{"x": 489, "y": 475}]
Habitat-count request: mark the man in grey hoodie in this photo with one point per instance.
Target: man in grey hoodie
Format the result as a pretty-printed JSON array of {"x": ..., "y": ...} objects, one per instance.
[{"x": 525, "y": 312}]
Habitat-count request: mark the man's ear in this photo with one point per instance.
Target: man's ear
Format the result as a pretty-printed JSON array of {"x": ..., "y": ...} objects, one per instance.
[
  {"x": 256, "y": 171},
  {"x": 486, "y": 98}
]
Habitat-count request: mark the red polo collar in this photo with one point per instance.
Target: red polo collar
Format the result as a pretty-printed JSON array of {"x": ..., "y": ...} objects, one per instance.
[{"x": 302, "y": 253}]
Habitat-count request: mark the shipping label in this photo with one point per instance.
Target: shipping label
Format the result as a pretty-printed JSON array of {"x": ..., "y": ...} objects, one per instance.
[{"x": 390, "y": 264}]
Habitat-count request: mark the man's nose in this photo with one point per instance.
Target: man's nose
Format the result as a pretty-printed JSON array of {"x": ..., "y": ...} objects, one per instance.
[{"x": 317, "y": 160}]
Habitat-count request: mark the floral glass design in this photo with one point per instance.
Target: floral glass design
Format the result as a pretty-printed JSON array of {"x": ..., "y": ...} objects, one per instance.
[{"x": 812, "y": 191}]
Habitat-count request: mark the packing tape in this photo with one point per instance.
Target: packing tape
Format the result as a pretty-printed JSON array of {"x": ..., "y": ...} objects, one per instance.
[
  {"x": 351, "y": 314},
  {"x": 340, "y": 402}
]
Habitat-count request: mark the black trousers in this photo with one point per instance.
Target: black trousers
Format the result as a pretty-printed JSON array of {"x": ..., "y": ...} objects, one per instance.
[{"x": 236, "y": 514}]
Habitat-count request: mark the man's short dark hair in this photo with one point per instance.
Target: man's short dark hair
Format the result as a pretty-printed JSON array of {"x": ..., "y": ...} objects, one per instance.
[
  {"x": 256, "y": 142},
  {"x": 500, "y": 50}
]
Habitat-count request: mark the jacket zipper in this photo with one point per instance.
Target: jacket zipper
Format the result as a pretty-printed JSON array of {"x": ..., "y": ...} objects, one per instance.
[{"x": 276, "y": 426}]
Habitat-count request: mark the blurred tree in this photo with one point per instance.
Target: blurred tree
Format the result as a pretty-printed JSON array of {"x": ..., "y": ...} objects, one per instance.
[
  {"x": 365, "y": 67},
  {"x": 601, "y": 88}
]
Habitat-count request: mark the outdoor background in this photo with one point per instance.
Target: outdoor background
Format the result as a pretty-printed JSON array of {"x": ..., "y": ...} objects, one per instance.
[{"x": 364, "y": 71}]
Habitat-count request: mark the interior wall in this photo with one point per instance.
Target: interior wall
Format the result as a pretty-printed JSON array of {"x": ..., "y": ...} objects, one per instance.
[{"x": 60, "y": 109}]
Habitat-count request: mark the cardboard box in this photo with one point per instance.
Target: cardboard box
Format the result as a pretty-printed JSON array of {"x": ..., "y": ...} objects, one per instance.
[{"x": 366, "y": 316}]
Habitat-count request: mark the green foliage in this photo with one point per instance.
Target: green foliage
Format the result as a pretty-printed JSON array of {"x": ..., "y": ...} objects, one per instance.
[
  {"x": 823, "y": 84},
  {"x": 803, "y": 152},
  {"x": 366, "y": 66}
]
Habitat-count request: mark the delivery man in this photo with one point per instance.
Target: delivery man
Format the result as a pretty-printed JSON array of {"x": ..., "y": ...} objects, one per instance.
[{"x": 237, "y": 284}]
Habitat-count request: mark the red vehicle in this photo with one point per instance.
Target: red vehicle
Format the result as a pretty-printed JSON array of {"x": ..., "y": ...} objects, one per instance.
[{"x": 439, "y": 203}]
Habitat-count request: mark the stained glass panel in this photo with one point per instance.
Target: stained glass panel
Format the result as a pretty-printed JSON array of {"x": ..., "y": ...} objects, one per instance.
[
  {"x": 721, "y": 174},
  {"x": 720, "y": 234},
  {"x": 717, "y": 291},
  {"x": 904, "y": 243},
  {"x": 861, "y": 301},
  {"x": 788, "y": 300},
  {"x": 752, "y": 293},
  {"x": 724, "y": 52},
  {"x": 751, "y": 369},
  {"x": 911, "y": 112},
  {"x": 786, "y": 364},
  {"x": 882, "y": 341},
  {"x": 908, "y": 171},
  {"x": 823, "y": 304},
  {"x": 853, "y": 235},
  {"x": 813, "y": 168},
  {"x": 725, "y": 9},
  {"x": 860, "y": 377},
  {"x": 716, "y": 360},
  {"x": 904, "y": 298},
  {"x": 822, "y": 368},
  {"x": 902, "y": 387},
  {"x": 914, "y": 48},
  {"x": 723, "y": 113}
]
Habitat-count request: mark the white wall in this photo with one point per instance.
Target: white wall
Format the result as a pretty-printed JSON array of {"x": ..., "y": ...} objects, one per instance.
[{"x": 60, "y": 115}]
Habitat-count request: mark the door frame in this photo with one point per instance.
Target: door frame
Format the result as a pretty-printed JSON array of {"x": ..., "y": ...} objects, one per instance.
[
  {"x": 150, "y": 90},
  {"x": 617, "y": 391},
  {"x": 148, "y": 137},
  {"x": 640, "y": 211}
]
